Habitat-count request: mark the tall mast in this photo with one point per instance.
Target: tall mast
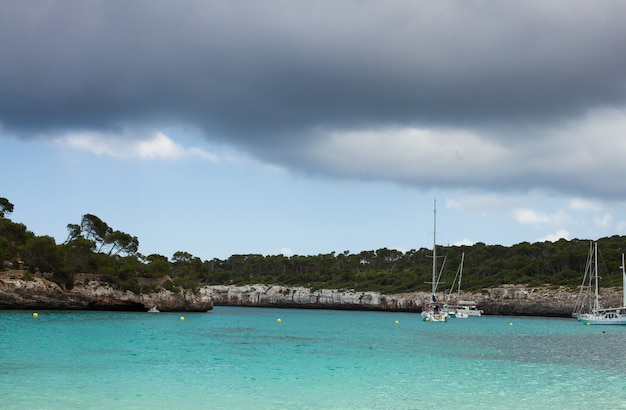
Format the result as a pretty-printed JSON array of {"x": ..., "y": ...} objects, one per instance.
[
  {"x": 434, "y": 283},
  {"x": 458, "y": 292},
  {"x": 623, "y": 280},
  {"x": 596, "y": 302}
]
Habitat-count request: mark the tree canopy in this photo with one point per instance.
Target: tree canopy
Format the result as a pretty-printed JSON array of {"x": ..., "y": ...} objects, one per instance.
[
  {"x": 103, "y": 236},
  {"x": 94, "y": 247},
  {"x": 6, "y": 207}
]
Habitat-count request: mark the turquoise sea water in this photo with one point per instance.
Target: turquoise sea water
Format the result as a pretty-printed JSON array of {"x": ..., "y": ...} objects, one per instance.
[{"x": 243, "y": 358}]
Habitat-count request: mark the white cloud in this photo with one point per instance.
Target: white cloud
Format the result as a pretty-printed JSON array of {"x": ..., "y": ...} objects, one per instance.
[
  {"x": 285, "y": 252},
  {"x": 156, "y": 146},
  {"x": 553, "y": 237},
  {"x": 464, "y": 242},
  {"x": 483, "y": 204},
  {"x": 159, "y": 146},
  {"x": 409, "y": 153},
  {"x": 604, "y": 221},
  {"x": 587, "y": 147},
  {"x": 582, "y": 204},
  {"x": 569, "y": 158},
  {"x": 527, "y": 216},
  {"x": 530, "y": 217},
  {"x": 620, "y": 228}
]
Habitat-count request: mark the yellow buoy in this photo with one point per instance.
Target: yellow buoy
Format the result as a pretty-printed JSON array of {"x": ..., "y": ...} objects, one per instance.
[
  {"x": 397, "y": 322},
  {"x": 588, "y": 323},
  {"x": 182, "y": 318},
  {"x": 510, "y": 324},
  {"x": 278, "y": 320},
  {"x": 35, "y": 315}
]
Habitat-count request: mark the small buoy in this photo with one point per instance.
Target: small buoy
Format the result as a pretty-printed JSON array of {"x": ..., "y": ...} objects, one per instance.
[
  {"x": 278, "y": 320},
  {"x": 35, "y": 315},
  {"x": 510, "y": 323},
  {"x": 588, "y": 323},
  {"x": 397, "y": 322},
  {"x": 182, "y": 318}
]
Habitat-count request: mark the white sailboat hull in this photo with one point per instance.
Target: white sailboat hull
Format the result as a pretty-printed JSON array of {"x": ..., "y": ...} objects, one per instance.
[
  {"x": 463, "y": 312},
  {"x": 429, "y": 316},
  {"x": 594, "y": 314},
  {"x": 612, "y": 317}
]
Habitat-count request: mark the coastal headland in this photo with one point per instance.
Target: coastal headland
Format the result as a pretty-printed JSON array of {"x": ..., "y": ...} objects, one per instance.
[
  {"x": 18, "y": 292},
  {"x": 90, "y": 293},
  {"x": 514, "y": 300}
]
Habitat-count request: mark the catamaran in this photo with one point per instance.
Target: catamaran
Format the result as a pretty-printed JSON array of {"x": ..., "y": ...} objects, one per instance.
[
  {"x": 462, "y": 309},
  {"x": 587, "y": 309}
]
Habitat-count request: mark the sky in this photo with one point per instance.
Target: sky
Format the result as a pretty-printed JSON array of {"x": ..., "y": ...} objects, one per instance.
[{"x": 303, "y": 128}]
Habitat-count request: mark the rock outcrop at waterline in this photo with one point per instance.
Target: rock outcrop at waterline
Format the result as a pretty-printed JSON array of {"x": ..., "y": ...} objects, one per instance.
[
  {"x": 517, "y": 300},
  {"x": 300, "y": 297},
  {"x": 40, "y": 293},
  {"x": 92, "y": 294}
]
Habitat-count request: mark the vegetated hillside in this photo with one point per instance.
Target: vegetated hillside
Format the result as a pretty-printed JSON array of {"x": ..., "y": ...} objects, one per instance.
[
  {"x": 93, "y": 247},
  {"x": 390, "y": 271}
]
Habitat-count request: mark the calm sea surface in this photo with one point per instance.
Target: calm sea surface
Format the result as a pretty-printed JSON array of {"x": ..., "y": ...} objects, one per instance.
[{"x": 244, "y": 358}]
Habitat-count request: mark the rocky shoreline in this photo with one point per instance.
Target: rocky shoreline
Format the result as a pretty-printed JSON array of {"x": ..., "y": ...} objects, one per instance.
[
  {"x": 92, "y": 294},
  {"x": 514, "y": 300}
]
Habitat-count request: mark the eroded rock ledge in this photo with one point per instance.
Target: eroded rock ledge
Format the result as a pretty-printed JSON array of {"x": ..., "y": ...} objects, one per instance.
[
  {"x": 40, "y": 293},
  {"x": 92, "y": 294},
  {"x": 515, "y": 300}
]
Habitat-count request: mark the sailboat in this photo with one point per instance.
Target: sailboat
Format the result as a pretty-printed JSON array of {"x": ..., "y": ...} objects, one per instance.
[
  {"x": 463, "y": 309},
  {"x": 434, "y": 311},
  {"x": 587, "y": 309}
]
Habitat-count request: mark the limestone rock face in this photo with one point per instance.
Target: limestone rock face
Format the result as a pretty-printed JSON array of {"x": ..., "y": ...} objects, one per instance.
[
  {"x": 521, "y": 300},
  {"x": 93, "y": 294},
  {"x": 518, "y": 300},
  {"x": 40, "y": 293},
  {"x": 280, "y": 296}
]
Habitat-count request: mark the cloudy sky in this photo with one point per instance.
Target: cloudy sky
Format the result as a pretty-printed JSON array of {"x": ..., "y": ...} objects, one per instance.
[{"x": 300, "y": 127}]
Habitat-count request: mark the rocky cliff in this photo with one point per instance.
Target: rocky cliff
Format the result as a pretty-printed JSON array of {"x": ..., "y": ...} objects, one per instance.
[
  {"x": 516, "y": 300},
  {"x": 280, "y": 296},
  {"x": 90, "y": 294}
]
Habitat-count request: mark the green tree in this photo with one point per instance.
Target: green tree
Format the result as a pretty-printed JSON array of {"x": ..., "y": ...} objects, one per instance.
[
  {"x": 6, "y": 207},
  {"x": 95, "y": 229},
  {"x": 5, "y": 252},
  {"x": 121, "y": 242},
  {"x": 15, "y": 233},
  {"x": 100, "y": 233},
  {"x": 42, "y": 254},
  {"x": 157, "y": 267},
  {"x": 79, "y": 255}
]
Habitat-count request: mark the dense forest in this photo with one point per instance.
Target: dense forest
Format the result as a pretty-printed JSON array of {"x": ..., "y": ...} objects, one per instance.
[{"x": 93, "y": 247}]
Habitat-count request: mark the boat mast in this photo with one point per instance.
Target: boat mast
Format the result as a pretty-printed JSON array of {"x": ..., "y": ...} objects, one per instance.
[
  {"x": 458, "y": 292},
  {"x": 596, "y": 302},
  {"x": 623, "y": 280},
  {"x": 434, "y": 282}
]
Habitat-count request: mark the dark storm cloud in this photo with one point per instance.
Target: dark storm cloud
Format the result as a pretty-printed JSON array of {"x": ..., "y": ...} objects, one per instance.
[
  {"x": 285, "y": 79},
  {"x": 244, "y": 69}
]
